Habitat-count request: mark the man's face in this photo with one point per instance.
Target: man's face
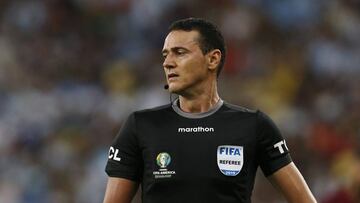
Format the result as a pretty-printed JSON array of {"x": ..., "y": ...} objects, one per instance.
[{"x": 184, "y": 63}]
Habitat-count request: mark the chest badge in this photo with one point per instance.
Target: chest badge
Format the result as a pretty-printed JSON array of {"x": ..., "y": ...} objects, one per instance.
[
  {"x": 230, "y": 159},
  {"x": 163, "y": 160}
]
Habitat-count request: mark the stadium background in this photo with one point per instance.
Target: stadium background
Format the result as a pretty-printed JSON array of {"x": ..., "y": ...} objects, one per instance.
[{"x": 72, "y": 70}]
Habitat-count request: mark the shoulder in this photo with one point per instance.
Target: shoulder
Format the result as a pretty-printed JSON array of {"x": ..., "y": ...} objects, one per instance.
[
  {"x": 153, "y": 112},
  {"x": 232, "y": 108},
  {"x": 228, "y": 107},
  {"x": 256, "y": 115}
]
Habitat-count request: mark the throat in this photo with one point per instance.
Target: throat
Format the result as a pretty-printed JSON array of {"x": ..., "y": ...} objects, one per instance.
[{"x": 198, "y": 105}]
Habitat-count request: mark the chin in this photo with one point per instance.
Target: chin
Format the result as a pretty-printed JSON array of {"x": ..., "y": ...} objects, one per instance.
[{"x": 175, "y": 89}]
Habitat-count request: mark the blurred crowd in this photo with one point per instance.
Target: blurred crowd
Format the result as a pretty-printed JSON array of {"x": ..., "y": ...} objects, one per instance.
[{"x": 72, "y": 70}]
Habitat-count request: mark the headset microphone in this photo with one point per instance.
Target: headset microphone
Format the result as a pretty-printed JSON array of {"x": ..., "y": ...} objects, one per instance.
[{"x": 166, "y": 87}]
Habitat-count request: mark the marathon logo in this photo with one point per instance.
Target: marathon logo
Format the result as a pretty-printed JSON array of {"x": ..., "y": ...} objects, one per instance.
[
  {"x": 230, "y": 159},
  {"x": 198, "y": 129}
]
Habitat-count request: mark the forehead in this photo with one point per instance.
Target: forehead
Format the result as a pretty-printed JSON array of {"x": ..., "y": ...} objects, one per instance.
[{"x": 180, "y": 38}]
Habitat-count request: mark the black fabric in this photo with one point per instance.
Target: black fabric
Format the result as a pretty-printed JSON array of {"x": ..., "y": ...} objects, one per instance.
[{"x": 193, "y": 174}]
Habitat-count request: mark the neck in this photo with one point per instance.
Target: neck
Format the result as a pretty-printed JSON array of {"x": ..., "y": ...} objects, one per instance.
[{"x": 201, "y": 100}]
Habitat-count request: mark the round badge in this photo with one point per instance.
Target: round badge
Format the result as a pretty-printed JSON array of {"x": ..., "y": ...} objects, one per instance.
[{"x": 163, "y": 159}]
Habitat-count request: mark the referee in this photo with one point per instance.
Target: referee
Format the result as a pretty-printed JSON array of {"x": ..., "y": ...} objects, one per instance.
[{"x": 198, "y": 148}]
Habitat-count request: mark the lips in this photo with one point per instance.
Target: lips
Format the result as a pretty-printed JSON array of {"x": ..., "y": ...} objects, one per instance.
[{"x": 172, "y": 75}]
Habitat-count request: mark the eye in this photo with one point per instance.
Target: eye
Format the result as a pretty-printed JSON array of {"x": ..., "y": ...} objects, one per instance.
[
  {"x": 164, "y": 55},
  {"x": 180, "y": 52}
]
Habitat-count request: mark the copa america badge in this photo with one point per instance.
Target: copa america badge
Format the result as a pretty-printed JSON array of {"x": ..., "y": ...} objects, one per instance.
[{"x": 163, "y": 160}]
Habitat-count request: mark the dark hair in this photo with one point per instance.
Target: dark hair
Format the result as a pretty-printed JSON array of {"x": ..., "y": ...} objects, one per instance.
[{"x": 210, "y": 36}]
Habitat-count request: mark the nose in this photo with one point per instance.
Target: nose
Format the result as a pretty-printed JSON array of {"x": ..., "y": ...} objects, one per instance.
[{"x": 169, "y": 62}]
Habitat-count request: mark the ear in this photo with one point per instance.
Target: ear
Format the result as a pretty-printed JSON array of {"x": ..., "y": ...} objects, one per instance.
[{"x": 213, "y": 59}]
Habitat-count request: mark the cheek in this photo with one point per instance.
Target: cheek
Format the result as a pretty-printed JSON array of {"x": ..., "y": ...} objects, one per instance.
[
  {"x": 196, "y": 69},
  {"x": 195, "y": 65}
]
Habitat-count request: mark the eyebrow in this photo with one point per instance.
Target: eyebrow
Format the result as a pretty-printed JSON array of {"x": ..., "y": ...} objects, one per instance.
[
  {"x": 178, "y": 47},
  {"x": 173, "y": 49}
]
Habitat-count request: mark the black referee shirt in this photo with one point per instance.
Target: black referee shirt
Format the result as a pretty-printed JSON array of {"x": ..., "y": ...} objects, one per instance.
[{"x": 201, "y": 157}]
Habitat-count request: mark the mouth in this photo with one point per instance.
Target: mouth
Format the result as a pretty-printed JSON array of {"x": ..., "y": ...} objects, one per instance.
[{"x": 172, "y": 75}]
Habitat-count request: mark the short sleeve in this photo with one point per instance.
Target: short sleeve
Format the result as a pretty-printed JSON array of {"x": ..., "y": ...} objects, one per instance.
[
  {"x": 272, "y": 150},
  {"x": 124, "y": 158}
]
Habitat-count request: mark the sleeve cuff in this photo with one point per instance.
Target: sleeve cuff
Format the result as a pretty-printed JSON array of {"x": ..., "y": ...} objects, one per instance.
[{"x": 276, "y": 165}]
